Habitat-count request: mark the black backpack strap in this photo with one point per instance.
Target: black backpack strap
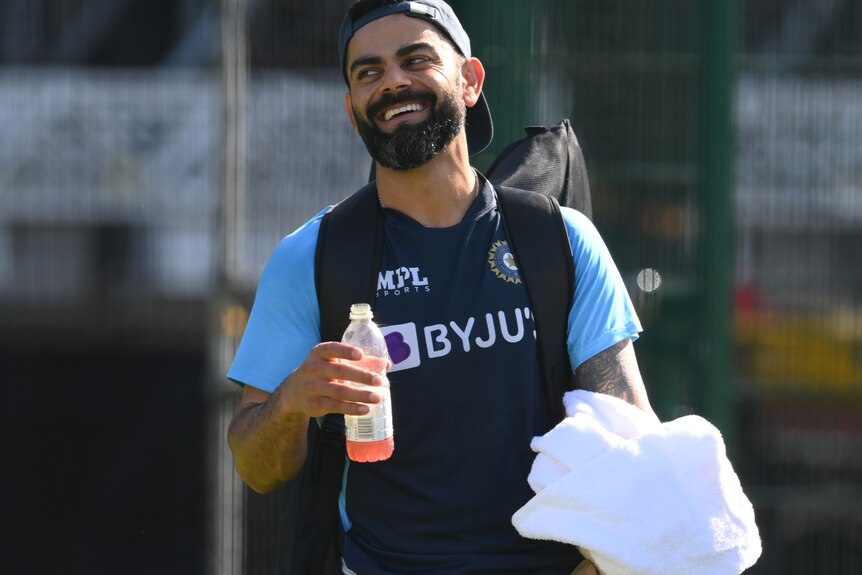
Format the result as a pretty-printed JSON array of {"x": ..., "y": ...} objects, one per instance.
[
  {"x": 346, "y": 261},
  {"x": 540, "y": 242},
  {"x": 308, "y": 523}
]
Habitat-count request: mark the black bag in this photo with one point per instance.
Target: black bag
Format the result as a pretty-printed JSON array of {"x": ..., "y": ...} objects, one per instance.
[{"x": 548, "y": 161}]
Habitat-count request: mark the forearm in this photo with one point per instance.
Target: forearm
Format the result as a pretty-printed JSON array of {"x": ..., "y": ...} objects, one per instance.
[
  {"x": 269, "y": 448},
  {"x": 615, "y": 372},
  {"x": 269, "y": 432}
]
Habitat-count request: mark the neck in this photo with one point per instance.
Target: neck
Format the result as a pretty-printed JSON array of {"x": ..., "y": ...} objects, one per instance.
[{"x": 437, "y": 194}]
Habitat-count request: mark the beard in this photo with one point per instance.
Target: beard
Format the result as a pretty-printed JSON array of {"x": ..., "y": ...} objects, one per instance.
[{"x": 411, "y": 145}]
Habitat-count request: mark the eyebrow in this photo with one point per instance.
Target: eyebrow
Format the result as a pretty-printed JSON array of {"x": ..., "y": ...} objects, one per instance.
[
  {"x": 410, "y": 48},
  {"x": 401, "y": 52}
]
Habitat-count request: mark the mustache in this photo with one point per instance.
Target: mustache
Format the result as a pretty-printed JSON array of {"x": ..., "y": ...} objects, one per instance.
[{"x": 390, "y": 99}]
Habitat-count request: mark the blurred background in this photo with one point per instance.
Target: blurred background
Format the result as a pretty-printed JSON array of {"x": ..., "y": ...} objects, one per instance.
[{"x": 153, "y": 152}]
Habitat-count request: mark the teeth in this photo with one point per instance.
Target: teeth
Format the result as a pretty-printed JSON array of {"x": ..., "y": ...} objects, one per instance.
[{"x": 408, "y": 108}]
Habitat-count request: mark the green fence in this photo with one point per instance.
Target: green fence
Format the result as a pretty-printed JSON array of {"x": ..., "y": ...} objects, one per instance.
[{"x": 153, "y": 153}]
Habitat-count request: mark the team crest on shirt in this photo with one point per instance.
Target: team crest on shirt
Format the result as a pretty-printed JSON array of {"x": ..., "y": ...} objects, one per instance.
[{"x": 503, "y": 263}]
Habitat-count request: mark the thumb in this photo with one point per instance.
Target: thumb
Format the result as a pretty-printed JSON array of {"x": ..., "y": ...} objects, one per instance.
[{"x": 585, "y": 568}]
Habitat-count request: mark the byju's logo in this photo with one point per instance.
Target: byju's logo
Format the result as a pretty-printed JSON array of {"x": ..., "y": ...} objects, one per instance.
[
  {"x": 403, "y": 345},
  {"x": 403, "y": 280},
  {"x": 442, "y": 339}
]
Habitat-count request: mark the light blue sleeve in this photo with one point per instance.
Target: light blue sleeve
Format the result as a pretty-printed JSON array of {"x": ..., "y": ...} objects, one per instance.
[
  {"x": 602, "y": 313},
  {"x": 284, "y": 323}
]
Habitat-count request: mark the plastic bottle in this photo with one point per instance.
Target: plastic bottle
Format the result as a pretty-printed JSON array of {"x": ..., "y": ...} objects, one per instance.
[{"x": 369, "y": 437}]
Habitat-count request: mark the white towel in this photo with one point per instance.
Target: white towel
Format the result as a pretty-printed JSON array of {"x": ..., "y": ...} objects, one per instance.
[{"x": 637, "y": 496}]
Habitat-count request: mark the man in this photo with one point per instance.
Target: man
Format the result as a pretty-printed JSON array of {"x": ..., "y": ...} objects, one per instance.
[{"x": 465, "y": 380}]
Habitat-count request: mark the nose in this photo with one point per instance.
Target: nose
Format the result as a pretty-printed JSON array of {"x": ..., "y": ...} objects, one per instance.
[{"x": 395, "y": 79}]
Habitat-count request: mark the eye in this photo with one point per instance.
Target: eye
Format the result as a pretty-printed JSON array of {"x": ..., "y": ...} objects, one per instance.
[
  {"x": 366, "y": 73},
  {"x": 416, "y": 60}
]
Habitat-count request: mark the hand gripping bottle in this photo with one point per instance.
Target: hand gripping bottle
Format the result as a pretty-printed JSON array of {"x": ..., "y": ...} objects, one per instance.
[{"x": 369, "y": 437}]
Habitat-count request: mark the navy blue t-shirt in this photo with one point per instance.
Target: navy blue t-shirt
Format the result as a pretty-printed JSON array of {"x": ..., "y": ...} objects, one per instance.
[
  {"x": 466, "y": 402},
  {"x": 465, "y": 386}
]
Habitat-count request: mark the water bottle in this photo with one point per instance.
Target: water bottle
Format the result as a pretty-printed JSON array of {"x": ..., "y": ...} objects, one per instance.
[{"x": 369, "y": 437}]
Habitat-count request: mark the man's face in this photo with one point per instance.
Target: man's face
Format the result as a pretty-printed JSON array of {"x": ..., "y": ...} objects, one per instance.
[{"x": 405, "y": 90}]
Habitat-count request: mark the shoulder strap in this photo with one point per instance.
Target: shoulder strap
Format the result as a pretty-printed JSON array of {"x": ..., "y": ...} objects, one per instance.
[
  {"x": 349, "y": 246},
  {"x": 308, "y": 531},
  {"x": 535, "y": 228},
  {"x": 348, "y": 252}
]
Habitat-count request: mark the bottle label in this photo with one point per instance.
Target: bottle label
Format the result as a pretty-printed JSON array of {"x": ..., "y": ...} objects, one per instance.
[{"x": 377, "y": 425}]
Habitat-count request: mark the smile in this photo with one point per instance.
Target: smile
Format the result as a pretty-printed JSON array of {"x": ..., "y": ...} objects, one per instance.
[{"x": 389, "y": 114}]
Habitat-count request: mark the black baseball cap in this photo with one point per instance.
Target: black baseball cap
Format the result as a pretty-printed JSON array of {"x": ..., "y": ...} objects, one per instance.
[{"x": 479, "y": 127}]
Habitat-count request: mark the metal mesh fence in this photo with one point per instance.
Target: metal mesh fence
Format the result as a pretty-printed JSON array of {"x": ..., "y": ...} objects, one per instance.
[
  {"x": 144, "y": 180},
  {"x": 797, "y": 305}
]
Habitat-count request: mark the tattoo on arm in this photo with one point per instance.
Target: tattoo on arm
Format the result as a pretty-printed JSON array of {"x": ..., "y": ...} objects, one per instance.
[{"x": 607, "y": 372}]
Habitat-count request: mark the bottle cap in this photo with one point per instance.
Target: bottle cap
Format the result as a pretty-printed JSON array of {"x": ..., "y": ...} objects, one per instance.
[{"x": 361, "y": 311}]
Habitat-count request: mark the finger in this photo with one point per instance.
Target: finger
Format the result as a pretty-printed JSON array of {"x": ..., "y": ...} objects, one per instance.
[
  {"x": 324, "y": 405},
  {"x": 348, "y": 372},
  {"x": 304, "y": 388},
  {"x": 330, "y": 350},
  {"x": 585, "y": 568},
  {"x": 319, "y": 372},
  {"x": 304, "y": 393},
  {"x": 343, "y": 397},
  {"x": 337, "y": 361},
  {"x": 348, "y": 391}
]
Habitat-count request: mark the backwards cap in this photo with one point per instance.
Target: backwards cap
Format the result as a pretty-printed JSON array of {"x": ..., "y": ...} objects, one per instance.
[{"x": 479, "y": 127}]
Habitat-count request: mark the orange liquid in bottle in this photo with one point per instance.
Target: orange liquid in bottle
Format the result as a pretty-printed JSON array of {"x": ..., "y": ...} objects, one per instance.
[
  {"x": 370, "y": 451},
  {"x": 372, "y": 441}
]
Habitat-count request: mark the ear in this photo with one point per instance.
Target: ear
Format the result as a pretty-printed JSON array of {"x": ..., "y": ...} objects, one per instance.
[
  {"x": 474, "y": 78},
  {"x": 348, "y": 106}
]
